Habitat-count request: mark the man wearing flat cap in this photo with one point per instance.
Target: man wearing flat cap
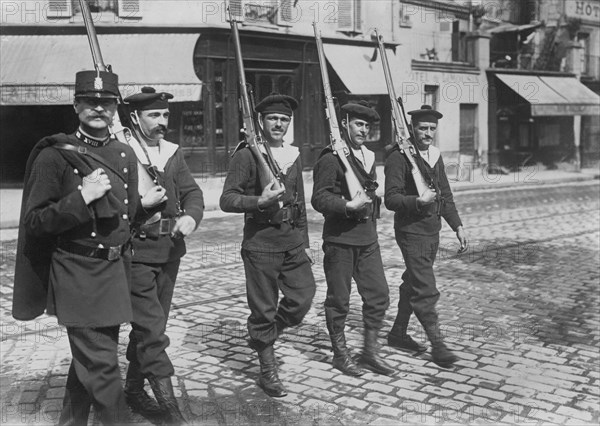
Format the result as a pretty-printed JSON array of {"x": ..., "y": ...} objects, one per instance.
[
  {"x": 275, "y": 246},
  {"x": 350, "y": 242},
  {"x": 158, "y": 245},
  {"x": 74, "y": 249},
  {"x": 417, "y": 224}
]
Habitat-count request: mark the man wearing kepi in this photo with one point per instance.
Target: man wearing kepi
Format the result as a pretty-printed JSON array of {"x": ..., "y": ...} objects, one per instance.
[
  {"x": 275, "y": 244},
  {"x": 350, "y": 242},
  {"x": 417, "y": 225},
  {"x": 74, "y": 251},
  {"x": 158, "y": 246}
]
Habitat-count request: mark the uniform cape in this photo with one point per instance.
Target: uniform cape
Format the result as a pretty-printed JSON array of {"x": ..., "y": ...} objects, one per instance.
[{"x": 32, "y": 264}]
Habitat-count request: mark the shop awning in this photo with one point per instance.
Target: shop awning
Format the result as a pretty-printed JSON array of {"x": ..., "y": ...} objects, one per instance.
[
  {"x": 354, "y": 67},
  {"x": 40, "y": 70},
  {"x": 553, "y": 96},
  {"x": 512, "y": 28}
]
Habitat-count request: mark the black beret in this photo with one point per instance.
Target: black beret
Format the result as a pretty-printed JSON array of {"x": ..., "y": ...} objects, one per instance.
[
  {"x": 426, "y": 113},
  {"x": 278, "y": 104},
  {"x": 362, "y": 110},
  {"x": 96, "y": 84},
  {"x": 149, "y": 99}
]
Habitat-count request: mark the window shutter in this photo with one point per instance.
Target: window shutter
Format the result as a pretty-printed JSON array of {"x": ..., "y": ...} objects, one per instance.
[
  {"x": 345, "y": 15},
  {"x": 357, "y": 16},
  {"x": 129, "y": 9},
  {"x": 285, "y": 12},
  {"x": 236, "y": 9},
  {"x": 59, "y": 9}
]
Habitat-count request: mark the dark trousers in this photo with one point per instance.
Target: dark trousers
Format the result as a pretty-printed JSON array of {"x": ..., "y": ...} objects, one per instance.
[
  {"x": 418, "y": 281},
  {"x": 266, "y": 274},
  {"x": 94, "y": 378},
  {"x": 151, "y": 295},
  {"x": 363, "y": 263}
]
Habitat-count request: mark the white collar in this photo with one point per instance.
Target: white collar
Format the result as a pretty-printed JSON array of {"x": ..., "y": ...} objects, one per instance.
[
  {"x": 431, "y": 155},
  {"x": 166, "y": 150},
  {"x": 285, "y": 156},
  {"x": 365, "y": 156}
]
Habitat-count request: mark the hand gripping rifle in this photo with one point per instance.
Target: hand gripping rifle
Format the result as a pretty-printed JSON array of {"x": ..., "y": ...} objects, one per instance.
[
  {"x": 398, "y": 118},
  {"x": 338, "y": 145},
  {"x": 268, "y": 170},
  {"x": 121, "y": 126}
]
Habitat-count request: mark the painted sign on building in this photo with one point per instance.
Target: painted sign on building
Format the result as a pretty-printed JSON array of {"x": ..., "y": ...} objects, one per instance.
[{"x": 585, "y": 10}]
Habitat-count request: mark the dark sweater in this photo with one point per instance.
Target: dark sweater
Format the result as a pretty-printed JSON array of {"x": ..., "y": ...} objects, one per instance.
[
  {"x": 241, "y": 192},
  {"x": 330, "y": 195},
  {"x": 401, "y": 197},
  {"x": 180, "y": 186}
]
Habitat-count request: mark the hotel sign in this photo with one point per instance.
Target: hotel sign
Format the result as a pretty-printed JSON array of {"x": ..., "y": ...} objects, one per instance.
[{"x": 588, "y": 11}]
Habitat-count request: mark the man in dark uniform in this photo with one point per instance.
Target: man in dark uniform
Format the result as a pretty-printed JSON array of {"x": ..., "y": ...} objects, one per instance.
[
  {"x": 275, "y": 248},
  {"x": 417, "y": 225},
  {"x": 74, "y": 252},
  {"x": 350, "y": 242},
  {"x": 158, "y": 246}
]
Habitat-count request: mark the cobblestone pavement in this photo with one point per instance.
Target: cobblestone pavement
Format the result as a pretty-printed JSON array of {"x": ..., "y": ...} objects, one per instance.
[{"x": 519, "y": 308}]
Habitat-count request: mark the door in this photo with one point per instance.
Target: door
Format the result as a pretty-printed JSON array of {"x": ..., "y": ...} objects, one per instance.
[{"x": 468, "y": 130}]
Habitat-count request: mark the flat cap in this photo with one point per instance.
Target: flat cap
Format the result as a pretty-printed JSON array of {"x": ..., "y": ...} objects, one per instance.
[
  {"x": 96, "y": 84},
  {"x": 278, "y": 104},
  {"x": 426, "y": 113},
  {"x": 362, "y": 110},
  {"x": 149, "y": 98}
]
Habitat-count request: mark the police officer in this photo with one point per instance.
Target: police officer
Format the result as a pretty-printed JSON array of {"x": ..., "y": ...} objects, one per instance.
[
  {"x": 275, "y": 247},
  {"x": 73, "y": 255},
  {"x": 350, "y": 242},
  {"x": 417, "y": 225},
  {"x": 158, "y": 246}
]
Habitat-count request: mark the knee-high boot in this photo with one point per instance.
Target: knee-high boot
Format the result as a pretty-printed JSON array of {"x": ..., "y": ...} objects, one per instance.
[
  {"x": 341, "y": 356},
  {"x": 163, "y": 391},
  {"x": 398, "y": 337},
  {"x": 370, "y": 358},
  {"x": 135, "y": 395},
  {"x": 440, "y": 353},
  {"x": 269, "y": 379}
]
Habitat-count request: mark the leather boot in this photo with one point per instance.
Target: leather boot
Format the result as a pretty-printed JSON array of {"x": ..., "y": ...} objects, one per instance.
[
  {"x": 269, "y": 380},
  {"x": 370, "y": 358},
  {"x": 163, "y": 391},
  {"x": 440, "y": 354},
  {"x": 341, "y": 356},
  {"x": 135, "y": 395},
  {"x": 398, "y": 337}
]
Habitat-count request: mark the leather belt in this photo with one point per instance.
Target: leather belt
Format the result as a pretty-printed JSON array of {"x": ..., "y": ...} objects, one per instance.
[
  {"x": 107, "y": 253},
  {"x": 157, "y": 229},
  {"x": 284, "y": 214}
]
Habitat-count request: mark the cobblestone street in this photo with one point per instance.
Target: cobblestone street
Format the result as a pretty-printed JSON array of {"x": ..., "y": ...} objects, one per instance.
[{"x": 520, "y": 309}]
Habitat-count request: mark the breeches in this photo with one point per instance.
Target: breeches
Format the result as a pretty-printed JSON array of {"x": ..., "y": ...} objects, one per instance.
[
  {"x": 363, "y": 263},
  {"x": 266, "y": 274},
  {"x": 151, "y": 296}
]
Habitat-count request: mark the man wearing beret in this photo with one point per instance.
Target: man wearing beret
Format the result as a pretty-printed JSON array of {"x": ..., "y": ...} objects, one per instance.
[
  {"x": 158, "y": 246},
  {"x": 74, "y": 249},
  {"x": 417, "y": 225},
  {"x": 350, "y": 242},
  {"x": 275, "y": 246}
]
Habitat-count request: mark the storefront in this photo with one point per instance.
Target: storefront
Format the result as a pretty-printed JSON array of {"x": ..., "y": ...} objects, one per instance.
[
  {"x": 38, "y": 74},
  {"x": 537, "y": 117}
]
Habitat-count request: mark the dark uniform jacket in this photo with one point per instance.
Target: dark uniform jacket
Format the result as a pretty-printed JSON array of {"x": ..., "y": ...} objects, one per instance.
[
  {"x": 241, "y": 192},
  {"x": 81, "y": 291},
  {"x": 330, "y": 195},
  {"x": 401, "y": 196},
  {"x": 182, "y": 193}
]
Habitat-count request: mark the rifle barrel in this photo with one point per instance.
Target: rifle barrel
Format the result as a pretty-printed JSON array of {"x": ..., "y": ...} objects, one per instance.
[{"x": 92, "y": 36}]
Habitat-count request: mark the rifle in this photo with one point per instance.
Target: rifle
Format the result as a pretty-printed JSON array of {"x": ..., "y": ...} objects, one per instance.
[
  {"x": 338, "y": 145},
  {"x": 122, "y": 132},
  {"x": 398, "y": 117},
  {"x": 268, "y": 170}
]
